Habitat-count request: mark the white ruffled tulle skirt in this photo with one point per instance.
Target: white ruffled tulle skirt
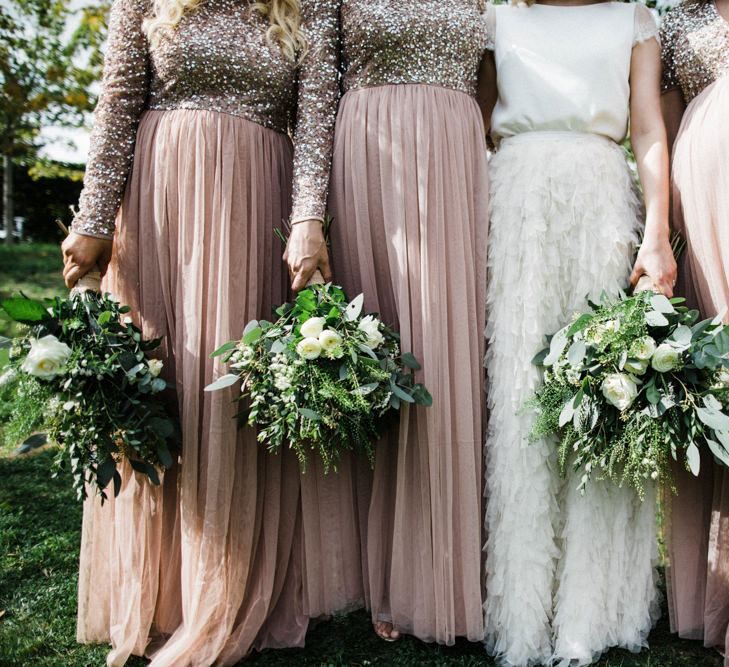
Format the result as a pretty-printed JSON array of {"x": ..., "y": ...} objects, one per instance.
[{"x": 568, "y": 575}]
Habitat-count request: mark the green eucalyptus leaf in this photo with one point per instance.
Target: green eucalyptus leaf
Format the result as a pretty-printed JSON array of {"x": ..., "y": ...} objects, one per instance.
[
  {"x": 556, "y": 347},
  {"x": 662, "y": 304},
  {"x": 719, "y": 451},
  {"x": 146, "y": 469},
  {"x": 24, "y": 310},
  {"x": 576, "y": 352},
  {"x": 422, "y": 396},
  {"x": 655, "y": 318},
  {"x": 652, "y": 393},
  {"x": 223, "y": 349},
  {"x": 693, "y": 458},
  {"x": 409, "y": 360},
  {"x": 354, "y": 309},
  {"x": 365, "y": 389},
  {"x": 567, "y": 413},
  {"x": 401, "y": 393},
  {"x": 714, "y": 419},
  {"x": 104, "y": 318},
  {"x": 222, "y": 382},
  {"x": 105, "y": 471},
  {"x": 580, "y": 324},
  {"x": 252, "y": 335},
  {"x": 278, "y": 347},
  {"x": 310, "y": 414}
]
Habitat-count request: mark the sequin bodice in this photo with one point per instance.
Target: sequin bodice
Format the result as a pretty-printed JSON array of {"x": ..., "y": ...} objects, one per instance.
[
  {"x": 438, "y": 42},
  {"x": 695, "y": 39},
  {"x": 216, "y": 59}
]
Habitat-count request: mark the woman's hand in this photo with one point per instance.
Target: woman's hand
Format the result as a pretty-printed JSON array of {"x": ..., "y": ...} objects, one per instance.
[
  {"x": 655, "y": 260},
  {"x": 81, "y": 254},
  {"x": 306, "y": 252}
]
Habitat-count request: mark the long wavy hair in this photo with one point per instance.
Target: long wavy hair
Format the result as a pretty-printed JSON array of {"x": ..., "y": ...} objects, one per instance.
[{"x": 284, "y": 22}]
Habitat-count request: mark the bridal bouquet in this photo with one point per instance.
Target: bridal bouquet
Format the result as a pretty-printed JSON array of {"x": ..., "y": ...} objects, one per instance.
[
  {"x": 82, "y": 374},
  {"x": 633, "y": 383},
  {"x": 322, "y": 378}
]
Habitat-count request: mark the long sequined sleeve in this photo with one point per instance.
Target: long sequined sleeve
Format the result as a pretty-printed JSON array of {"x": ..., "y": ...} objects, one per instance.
[
  {"x": 668, "y": 41},
  {"x": 318, "y": 95},
  {"x": 124, "y": 90}
]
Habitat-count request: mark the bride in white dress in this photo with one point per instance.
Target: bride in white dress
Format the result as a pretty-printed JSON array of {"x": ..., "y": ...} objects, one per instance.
[{"x": 568, "y": 576}]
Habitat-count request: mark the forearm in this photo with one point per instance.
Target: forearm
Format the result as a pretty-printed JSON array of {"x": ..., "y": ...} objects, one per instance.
[{"x": 651, "y": 153}]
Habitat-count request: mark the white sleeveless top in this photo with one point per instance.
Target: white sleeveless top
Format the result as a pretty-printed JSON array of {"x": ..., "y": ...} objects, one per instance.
[{"x": 565, "y": 68}]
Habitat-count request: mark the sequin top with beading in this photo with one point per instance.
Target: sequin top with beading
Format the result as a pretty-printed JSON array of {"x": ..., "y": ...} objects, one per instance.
[
  {"x": 695, "y": 39},
  {"x": 432, "y": 42},
  {"x": 217, "y": 59}
]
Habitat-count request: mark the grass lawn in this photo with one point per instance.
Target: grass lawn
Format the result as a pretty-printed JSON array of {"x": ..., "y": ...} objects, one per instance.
[
  {"x": 34, "y": 269},
  {"x": 40, "y": 523},
  {"x": 39, "y": 542}
]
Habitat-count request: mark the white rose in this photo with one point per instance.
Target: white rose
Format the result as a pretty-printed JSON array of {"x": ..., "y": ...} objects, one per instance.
[
  {"x": 643, "y": 348},
  {"x": 619, "y": 390},
  {"x": 155, "y": 367},
  {"x": 371, "y": 327},
  {"x": 330, "y": 340},
  {"x": 47, "y": 358},
  {"x": 636, "y": 366},
  {"x": 309, "y": 348},
  {"x": 665, "y": 358},
  {"x": 331, "y": 343},
  {"x": 313, "y": 327}
]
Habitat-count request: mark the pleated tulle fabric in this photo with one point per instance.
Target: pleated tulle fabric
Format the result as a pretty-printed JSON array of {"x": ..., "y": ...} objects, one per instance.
[
  {"x": 698, "y": 517},
  {"x": 409, "y": 196},
  {"x": 564, "y": 222},
  {"x": 208, "y": 566}
]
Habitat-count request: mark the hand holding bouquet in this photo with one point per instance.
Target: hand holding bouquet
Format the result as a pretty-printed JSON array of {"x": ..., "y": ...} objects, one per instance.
[
  {"x": 323, "y": 378},
  {"x": 633, "y": 383},
  {"x": 82, "y": 373}
]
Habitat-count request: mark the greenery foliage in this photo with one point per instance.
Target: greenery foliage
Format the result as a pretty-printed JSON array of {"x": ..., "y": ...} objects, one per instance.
[
  {"x": 82, "y": 373},
  {"x": 322, "y": 378},
  {"x": 632, "y": 384}
]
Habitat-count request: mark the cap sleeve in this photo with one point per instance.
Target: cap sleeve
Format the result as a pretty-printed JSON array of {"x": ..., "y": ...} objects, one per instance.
[
  {"x": 645, "y": 26},
  {"x": 490, "y": 23},
  {"x": 318, "y": 96},
  {"x": 123, "y": 97},
  {"x": 669, "y": 27}
]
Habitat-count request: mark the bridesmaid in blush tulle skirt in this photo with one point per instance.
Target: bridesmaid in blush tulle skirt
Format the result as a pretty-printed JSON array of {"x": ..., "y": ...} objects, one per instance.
[
  {"x": 190, "y": 172},
  {"x": 696, "y": 106},
  {"x": 409, "y": 195}
]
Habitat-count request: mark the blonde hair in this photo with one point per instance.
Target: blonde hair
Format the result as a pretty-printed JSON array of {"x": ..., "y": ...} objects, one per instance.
[{"x": 284, "y": 18}]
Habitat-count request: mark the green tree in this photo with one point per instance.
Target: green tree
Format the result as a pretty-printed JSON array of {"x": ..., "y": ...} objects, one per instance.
[{"x": 50, "y": 57}]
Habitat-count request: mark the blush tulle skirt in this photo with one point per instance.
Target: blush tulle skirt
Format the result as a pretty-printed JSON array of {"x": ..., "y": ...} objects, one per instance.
[
  {"x": 409, "y": 195},
  {"x": 697, "y": 575},
  {"x": 213, "y": 563}
]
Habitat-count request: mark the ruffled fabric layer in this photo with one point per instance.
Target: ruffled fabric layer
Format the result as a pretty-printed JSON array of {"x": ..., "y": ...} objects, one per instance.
[
  {"x": 564, "y": 222},
  {"x": 408, "y": 195}
]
